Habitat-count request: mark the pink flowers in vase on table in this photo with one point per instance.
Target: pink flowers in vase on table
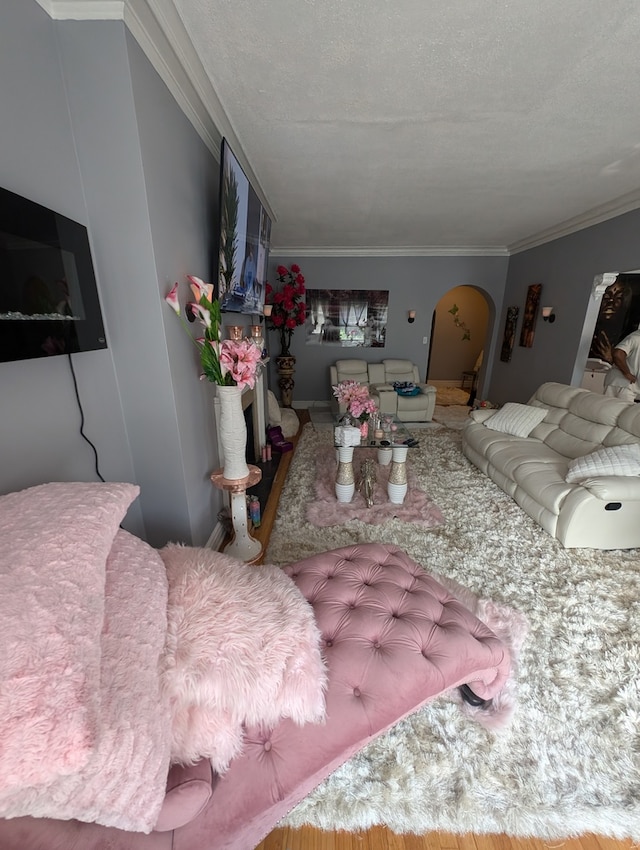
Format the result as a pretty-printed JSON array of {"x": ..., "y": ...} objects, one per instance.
[
  {"x": 229, "y": 362},
  {"x": 355, "y": 397}
]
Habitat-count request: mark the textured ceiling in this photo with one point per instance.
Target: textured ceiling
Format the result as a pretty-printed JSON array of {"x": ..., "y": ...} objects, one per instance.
[{"x": 422, "y": 124}]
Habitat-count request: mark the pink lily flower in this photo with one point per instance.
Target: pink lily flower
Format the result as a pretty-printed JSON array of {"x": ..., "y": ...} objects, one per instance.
[
  {"x": 200, "y": 288},
  {"x": 240, "y": 359},
  {"x": 201, "y": 313},
  {"x": 172, "y": 299}
]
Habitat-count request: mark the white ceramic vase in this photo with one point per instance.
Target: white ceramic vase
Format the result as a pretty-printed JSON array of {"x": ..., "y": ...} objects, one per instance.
[
  {"x": 345, "y": 482},
  {"x": 397, "y": 484},
  {"x": 233, "y": 433}
]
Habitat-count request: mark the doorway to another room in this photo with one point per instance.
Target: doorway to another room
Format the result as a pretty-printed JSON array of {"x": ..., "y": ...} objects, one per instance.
[{"x": 458, "y": 336}]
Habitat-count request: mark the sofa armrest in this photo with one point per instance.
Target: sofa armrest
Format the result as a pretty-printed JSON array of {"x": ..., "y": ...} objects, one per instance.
[
  {"x": 481, "y": 414},
  {"x": 613, "y": 488},
  {"x": 425, "y": 389},
  {"x": 333, "y": 376}
]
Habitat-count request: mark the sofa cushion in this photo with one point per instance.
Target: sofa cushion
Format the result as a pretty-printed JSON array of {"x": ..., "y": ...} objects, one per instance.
[
  {"x": 613, "y": 460},
  {"x": 352, "y": 370},
  {"x": 519, "y": 420},
  {"x": 544, "y": 482},
  {"x": 507, "y": 454},
  {"x": 399, "y": 370}
]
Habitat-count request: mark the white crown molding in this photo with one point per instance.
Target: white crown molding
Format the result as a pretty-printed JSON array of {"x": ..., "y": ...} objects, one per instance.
[
  {"x": 84, "y": 10},
  {"x": 618, "y": 206},
  {"x": 158, "y": 29},
  {"x": 286, "y": 251}
]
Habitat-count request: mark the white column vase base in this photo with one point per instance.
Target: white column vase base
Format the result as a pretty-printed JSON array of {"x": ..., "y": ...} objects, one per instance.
[
  {"x": 345, "y": 480},
  {"x": 384, "y": 455},
  {"x": 397, "y": 484}
]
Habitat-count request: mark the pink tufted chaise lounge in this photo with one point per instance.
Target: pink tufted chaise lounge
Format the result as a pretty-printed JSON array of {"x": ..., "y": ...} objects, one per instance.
[{"x": 394, "y": 638}]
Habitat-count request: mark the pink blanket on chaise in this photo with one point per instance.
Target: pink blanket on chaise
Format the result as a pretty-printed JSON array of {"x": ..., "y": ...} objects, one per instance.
[
  {"x": 82, "y": 629},
  {"x": 108, "y": 671}
]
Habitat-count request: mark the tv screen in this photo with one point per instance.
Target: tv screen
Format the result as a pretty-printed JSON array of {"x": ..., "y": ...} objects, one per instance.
[
  {"x": 244, "y": 237},
  {"x": 48, "y": 296}
]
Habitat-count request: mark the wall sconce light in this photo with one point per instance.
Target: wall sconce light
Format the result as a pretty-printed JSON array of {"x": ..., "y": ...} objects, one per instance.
[
  {"x": 266, "y": 310},
  {"x": 411, "y": 317},
  {"x": 548, "y": 315}
]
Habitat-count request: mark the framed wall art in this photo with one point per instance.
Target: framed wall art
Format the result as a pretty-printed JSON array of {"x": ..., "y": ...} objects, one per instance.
[
  {"x": 347, "y": 317},
  {"x": 528, "y": 329},
  {"x": 509, "y": 337}
]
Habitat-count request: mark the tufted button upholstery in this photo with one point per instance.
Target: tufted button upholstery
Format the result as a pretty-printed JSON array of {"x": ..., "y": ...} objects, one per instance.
[{"x": 393, "y": 639}]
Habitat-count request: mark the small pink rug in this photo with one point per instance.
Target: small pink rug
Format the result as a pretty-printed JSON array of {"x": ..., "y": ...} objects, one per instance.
[{"x": 326, "y": 510}]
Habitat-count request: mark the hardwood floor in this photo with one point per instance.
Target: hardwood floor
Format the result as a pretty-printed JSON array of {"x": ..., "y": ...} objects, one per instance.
[
  {"x": 379, "y": 837},
  {"x": 263, "y": 533}
]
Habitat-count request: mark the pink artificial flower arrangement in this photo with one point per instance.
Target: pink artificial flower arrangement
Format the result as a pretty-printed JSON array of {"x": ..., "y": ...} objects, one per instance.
[
  {"x": 356, "y": 399},
  {"x": 288, "y": 310},
  {"x": 229, "y": 362}
]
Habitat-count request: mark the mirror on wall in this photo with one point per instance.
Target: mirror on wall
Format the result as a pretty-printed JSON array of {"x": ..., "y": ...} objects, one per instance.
[{"x": 352, "y": 318}]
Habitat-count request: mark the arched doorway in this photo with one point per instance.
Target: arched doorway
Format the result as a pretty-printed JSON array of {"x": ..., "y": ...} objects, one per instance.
[{"x": 458, "y": 335}]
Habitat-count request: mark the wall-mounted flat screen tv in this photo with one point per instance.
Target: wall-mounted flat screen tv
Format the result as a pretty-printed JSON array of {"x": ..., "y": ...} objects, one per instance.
[
  {"x": 244, "y": 238},
  {"x": 48, "y": 296}
]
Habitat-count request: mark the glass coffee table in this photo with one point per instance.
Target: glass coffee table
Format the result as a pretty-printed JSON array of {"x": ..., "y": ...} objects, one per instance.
[{"x": 392, "y": 442}]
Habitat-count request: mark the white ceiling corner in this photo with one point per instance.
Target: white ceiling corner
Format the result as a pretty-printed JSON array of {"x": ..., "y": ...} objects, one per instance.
[{"x": 415, "y": 127}]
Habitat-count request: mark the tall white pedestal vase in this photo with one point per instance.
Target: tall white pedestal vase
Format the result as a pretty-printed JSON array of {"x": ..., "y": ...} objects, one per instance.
[
  {"x": 233, "y": 433},
  {"x": 397, "y": 484},
  {"x": 345, "y": 481}
]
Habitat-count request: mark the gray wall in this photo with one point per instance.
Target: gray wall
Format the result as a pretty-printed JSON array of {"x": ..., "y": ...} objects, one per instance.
[
  {"x": 95, "y": 135},
  {"x": 566, "y": 268},
  {"x": 414, "y": 283}
]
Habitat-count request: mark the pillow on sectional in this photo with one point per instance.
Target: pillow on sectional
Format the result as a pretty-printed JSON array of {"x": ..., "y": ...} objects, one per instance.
[
  {"x": 612, "y": 460},
  {"x": 54, "y": 543},
  {"x": 519, "y": 420}
]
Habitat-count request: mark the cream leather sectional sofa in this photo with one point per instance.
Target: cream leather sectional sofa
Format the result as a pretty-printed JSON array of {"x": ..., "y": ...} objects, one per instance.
[
  {"x": 380, "y": 378},
  {"x": 599, "y": 506}
]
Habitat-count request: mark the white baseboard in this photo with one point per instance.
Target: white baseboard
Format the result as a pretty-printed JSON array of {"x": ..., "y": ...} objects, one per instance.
[{"x": 216, "y": 538}]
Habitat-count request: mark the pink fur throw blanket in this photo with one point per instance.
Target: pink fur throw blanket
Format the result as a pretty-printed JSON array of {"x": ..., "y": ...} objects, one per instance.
[
  {"x": 242, "y": 647},
  {"x": 85, "y": 733}
]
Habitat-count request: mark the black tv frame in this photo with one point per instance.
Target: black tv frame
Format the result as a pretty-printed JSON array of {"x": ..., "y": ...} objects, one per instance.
[
  {"x": 49, "y": 302},
  {"x": 245, "y": 225}
]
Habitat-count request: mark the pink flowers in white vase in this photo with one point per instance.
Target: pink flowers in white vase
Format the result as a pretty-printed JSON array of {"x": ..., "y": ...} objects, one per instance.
[
  {"x": 229, "y": 362},
  {"x": 355, "y": 397},
  {"x": 239, "y": 360}
]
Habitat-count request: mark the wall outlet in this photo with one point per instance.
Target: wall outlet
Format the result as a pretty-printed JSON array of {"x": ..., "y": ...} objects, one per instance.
[{"x": 425, "y": 340}]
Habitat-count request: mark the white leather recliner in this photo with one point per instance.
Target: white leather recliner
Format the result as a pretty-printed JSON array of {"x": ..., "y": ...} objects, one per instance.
[
  {"x": 416, "y": 408},
  {"x": 347, "y": 370}
]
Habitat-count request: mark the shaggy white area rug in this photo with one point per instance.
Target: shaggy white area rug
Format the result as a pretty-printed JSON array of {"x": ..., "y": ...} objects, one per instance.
[{"x": 569, "y": 762}]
